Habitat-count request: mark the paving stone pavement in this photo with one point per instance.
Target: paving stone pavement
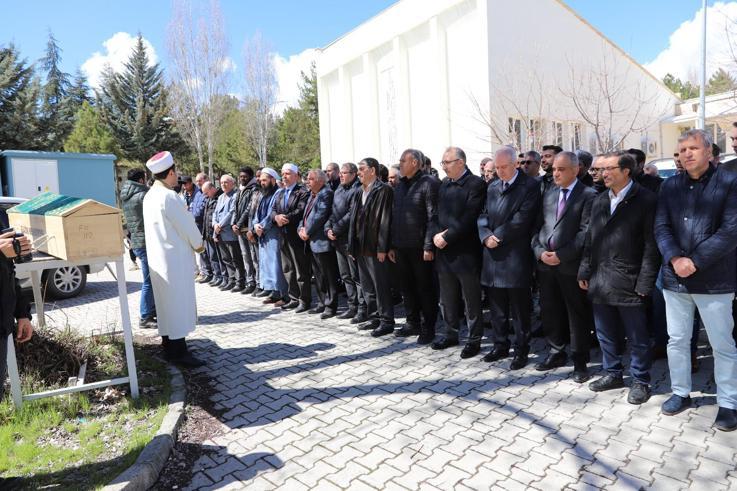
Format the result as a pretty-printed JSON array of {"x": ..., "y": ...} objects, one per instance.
[{"x": 318, "y": 404}]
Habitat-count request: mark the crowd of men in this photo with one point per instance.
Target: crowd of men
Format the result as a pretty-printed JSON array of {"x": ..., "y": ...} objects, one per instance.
[{"x": 614, "y": 255}]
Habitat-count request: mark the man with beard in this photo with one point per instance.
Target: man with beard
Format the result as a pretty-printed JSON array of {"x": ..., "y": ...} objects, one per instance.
[
  {"x": 241, "y": 210},
  {"x": 271, "y": 277},
  {"x": 546, "y": 163},
  {"x": 332, "y": 172}
]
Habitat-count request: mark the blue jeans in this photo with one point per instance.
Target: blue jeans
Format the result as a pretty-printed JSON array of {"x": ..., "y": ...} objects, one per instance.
[
  {"x": 148, "y": 307},
  {"x": 613, "y": 323},
  {"x": 716, "y": 313}
]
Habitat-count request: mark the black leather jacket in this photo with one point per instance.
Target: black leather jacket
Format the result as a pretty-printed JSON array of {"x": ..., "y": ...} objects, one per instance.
[
  {"x": 370, "y": 223},
  {"x": 340, "y": 217},
  {"x": 415, "y": 206},
  {"x": 242, "y": 206},
  {"x": 210, "y": 204}
]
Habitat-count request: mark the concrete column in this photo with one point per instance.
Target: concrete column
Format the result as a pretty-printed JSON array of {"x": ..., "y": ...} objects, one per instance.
[
  {"x": 346, "y": 138},
  {"x": 437, "y": 35},
  {"x": 326, "y": 136},
  {"x": 404, "y": 119},
  {"x": 372, "y": 116}
]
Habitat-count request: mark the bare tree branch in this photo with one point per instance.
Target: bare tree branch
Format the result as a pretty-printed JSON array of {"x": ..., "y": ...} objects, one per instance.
[{"x": 260, "y": 96}]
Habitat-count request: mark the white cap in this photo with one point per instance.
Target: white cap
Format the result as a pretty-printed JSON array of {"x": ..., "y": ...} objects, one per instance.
[
  {"x": 290, "y": 167},
  {"x": 271, "y": 172},
  {"x": 160, "y": 162}
]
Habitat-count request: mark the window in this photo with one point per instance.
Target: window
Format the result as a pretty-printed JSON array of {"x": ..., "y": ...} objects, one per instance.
[
  {"x": 515, "y": 133},
  {"x": 534, "y": 135},
  {"x": 718, "y": 135},
  {"x": 557, "y": 133},
  {"x": 575, "y": 136}
]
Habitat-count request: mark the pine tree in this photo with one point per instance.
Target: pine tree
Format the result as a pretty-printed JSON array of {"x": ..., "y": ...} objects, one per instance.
[
  {"x": 133, "y": 105},
  {"x": 56, "y": 120},
  {"x": 232, "y": 150},
  {"x": 90, "y": 135},
  {"x": 720, "y": 81},
  {"x": 685, "y": 90},
  {"x": 16, "y": 94}
]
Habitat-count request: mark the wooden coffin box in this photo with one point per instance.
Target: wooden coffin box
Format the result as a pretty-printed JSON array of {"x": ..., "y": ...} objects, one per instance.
[{"x": 69, "y": 228}]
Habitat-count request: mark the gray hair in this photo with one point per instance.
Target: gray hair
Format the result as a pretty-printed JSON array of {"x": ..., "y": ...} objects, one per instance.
[
  {"x": 207, "y": 185},
  {"x": 227, "y": 177},
  {"x": 485, "y": 160},
  {"x": 396, "y": 167},
  {"x": 507, "y": 151},
  {"x": 459, "y": 153},
  {"x": 533, "y": 155},
  {"x": 572, "y": 157},
  {"x": 351, "y": 167},
  {"x": 332, "y": 165},
  {"x": 319, "y": 174},
  {"x": 700, "y": 134},
  {"x": 416, "y": 155}
]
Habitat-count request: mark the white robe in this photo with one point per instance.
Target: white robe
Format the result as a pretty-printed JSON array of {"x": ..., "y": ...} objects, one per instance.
[{"x": 171, "y": 240}]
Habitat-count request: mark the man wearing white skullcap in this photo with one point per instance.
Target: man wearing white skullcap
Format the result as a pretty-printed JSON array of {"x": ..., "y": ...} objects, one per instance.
[
  {"x": 289, "y": 206},
  {"x": 172, "y": 238}
]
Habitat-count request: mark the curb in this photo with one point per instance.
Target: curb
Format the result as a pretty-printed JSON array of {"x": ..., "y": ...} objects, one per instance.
[{"x": 147, "y": 467}]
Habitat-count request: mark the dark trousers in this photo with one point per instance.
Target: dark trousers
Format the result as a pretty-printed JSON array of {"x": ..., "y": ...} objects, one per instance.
[
  {"x": 613, "y": 324},
  {"x": 348, "y": 268},
  {"x": 230, "y": 255},
  {"x": 213, "y": 254},
  {"x": 565, "y": 312},
  {"x": 417, "y": 283},
  {"x": 376, "y": 288},
  {"x": 512, "y": 306},
  {"x": 295, "y": 262},
  {"x": 249, "y": 260},
  {"x": 325, "y": 268},
  {"x": 3, "y": 364},
  {"x": 455, "y": 291}
]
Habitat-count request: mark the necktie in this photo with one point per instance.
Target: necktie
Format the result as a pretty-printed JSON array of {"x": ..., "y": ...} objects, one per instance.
[
  {"x": 309, "y": 208},
  {"x": 561, "y": 204},
  {"x": 505, "y": 187}
]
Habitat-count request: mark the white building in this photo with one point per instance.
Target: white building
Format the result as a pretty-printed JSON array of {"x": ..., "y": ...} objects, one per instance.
[
  {"x": 480, "y": 73},
  {"x": 720, "y": 112}
]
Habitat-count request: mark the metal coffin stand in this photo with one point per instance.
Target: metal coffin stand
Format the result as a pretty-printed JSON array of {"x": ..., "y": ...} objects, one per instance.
[{"x": 35, "y": 268}]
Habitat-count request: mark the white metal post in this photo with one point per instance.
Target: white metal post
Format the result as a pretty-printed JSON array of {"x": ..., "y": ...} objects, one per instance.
[
  {"x": 13, "y": 374},
  {"x": 37, "y": 297},
  {"x": 702, "y": 92},
  {"x": 130, "y": 357}
]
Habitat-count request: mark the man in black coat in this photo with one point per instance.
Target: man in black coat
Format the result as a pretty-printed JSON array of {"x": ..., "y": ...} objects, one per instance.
[
  {"x": 241, "y": 209},
  {"x": 505, "y": 229},
  {"x": 15, "y": 311},
  {"x": 336, "y": 229},
  {"x": 639, "y": 176},
  {"x": 458, "y": 252},
  {"x": 557, "y": 245},
  {"x": 219, "y": 274},
  {"x": 289, "y": 206},
  {"x": 546, "y": 163},
  {"x": 696, "y": 231},
  {"x": 369, "y": 242},
  {"x": 619, "y": 266},
  {"x": 415, "y": 201}
]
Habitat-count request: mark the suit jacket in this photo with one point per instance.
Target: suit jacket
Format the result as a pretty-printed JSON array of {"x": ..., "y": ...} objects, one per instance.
[
  {"x": 509, "y": 216},
  {"x": 223, "y": 215},
  {"x": 369, "y": 231},
  {"x": 620, "y": 258},
  {"x": 293, "y": 210},
  {"x": 566, "y": 234},
  {"x": 317, "y": 212}
]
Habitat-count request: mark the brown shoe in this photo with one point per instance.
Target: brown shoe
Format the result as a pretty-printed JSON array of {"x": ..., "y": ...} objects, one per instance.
[
  {"x": 269, "y": 300},
  {"x": 280, "y": 303}
]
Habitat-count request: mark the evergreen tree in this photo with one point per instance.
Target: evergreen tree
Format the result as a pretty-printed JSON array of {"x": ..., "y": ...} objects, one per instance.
[
  {"x": 79, "y": 92},
  {"x": 133, "y": 105},
  {"x": 90, "y": 135},
  {"x": 56, "y": 120},
  {"x": 17, "y": 92},
  {"x": 298, "y": 130},
  {"x": 232, "y": 150},
  {"x": 720, "y": 81},
  {"x": 685, "y": 90}
]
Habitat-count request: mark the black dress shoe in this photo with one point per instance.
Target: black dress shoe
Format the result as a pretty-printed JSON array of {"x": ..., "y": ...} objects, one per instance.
[
  {"x": 188, "y": 361},
  {"x": 675, "y": 404},
  {"x": 238, "y": 289},
  {"x": 301, "y": 308},
  {"x": 216, "y": 282},
  {"x": 553, "y": 360},
  {"x": 496, "y": 354},
  {"x": 289, "y": 305},
  {"x": 726, "y": 419},
  {"x": 580, "y": 375},
  {"x": 327, "y": 314},
  {"x": 639, "y": 393},
  {"x": 425, "y": 338},
  {"x": 148, "y": 323},
  {"x": 519, "y": 360},
  {"x": 317, "y": 310},
  {"x": 249, "y": 289},
  {"x": 444, "y": 343},
  {"x": 406, "y": 331},
  {"x": 383, "y": 330},
  {"x": 370, "y": 325},
  {"x": 348, "y": 314},
  {"x": 257, "y": 292},
  {"x": 204, "y": 279},
  {"x": 227, "y": 287},
  {"x": 360, "y": 318},
  {"x": 470, "y": 350},
  {"x": 264, "y": 293},
  {"x": 607, "y": 382}
]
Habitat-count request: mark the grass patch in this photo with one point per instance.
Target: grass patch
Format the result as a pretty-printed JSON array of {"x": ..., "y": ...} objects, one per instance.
[{"x": 83, "y": 440}]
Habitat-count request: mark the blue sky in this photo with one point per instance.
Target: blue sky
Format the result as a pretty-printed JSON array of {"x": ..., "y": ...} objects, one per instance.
[{"x": 640, "y": 27}]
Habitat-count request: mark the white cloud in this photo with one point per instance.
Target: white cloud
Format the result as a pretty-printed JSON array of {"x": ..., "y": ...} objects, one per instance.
[
  {"x": 117, "y": 51},
  {"x": 288, "y": 76},
  {"x": 682, "y": 57}
]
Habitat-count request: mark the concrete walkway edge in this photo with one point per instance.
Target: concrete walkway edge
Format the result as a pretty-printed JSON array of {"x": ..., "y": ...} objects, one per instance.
[{"x": 145, "y": 471}]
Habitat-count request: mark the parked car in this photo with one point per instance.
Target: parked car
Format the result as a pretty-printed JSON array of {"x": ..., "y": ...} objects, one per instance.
[
  {"x": 59, "y": 283},
  {"x": 667, "y": 166}
]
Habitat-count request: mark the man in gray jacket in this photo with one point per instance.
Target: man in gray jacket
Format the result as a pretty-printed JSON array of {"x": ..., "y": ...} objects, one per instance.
[{"x": 230, "y": 250}]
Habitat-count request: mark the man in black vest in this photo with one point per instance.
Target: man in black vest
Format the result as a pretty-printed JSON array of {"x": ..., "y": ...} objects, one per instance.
[{"x": 557, "y": 245}]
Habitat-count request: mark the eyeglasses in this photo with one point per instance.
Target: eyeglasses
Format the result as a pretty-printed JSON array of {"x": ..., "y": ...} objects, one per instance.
[
  {"x": 448, "y": 162},
  {"x": 527, "y": 162},
  {"x": 609, "y": 169}
]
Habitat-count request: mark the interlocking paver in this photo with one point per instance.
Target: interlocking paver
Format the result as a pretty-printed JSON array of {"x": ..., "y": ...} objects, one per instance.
[{"x": 310, "y": 404}]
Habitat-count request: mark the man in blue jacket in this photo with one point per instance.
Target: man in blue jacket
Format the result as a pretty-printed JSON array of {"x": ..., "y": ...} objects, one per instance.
[
  {"x": 696, "y": 232},
  {"x": 227, "y": 241}
]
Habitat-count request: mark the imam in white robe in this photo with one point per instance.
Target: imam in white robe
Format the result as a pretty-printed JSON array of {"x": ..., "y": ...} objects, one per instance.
[{"x": 172, "y": 238}]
